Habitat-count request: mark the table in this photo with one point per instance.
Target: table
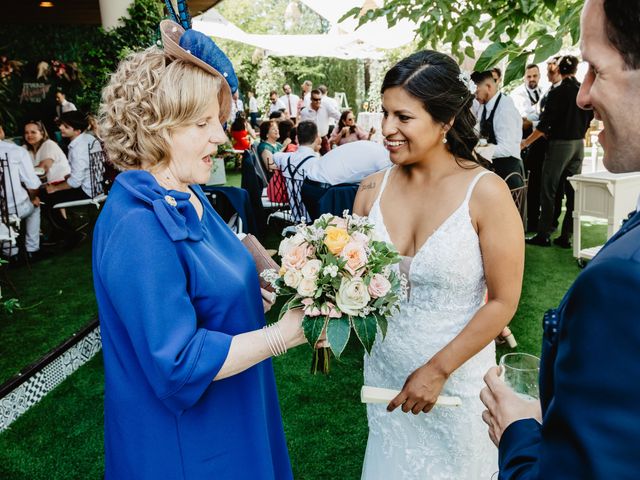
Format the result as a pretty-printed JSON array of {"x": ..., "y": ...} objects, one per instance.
[
  {"x": 366, "y": 120},
  {"x": 604, "y": 195}
]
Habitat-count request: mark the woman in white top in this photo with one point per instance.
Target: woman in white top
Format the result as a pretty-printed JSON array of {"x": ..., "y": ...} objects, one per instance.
[{"x": 45, "y": 153}]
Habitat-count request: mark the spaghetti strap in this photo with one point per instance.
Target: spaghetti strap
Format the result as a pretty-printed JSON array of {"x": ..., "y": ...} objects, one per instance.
[
  {"x": 473, "y": 184},
  {"x": 384, "y": 184}
]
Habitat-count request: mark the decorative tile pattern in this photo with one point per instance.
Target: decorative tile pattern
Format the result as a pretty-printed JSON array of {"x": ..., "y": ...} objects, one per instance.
[{"x": 27, "y": 394}]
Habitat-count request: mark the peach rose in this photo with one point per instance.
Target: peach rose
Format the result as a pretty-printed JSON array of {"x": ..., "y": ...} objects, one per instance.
[
  {"x": 360, "y": 238},
  {"x": 335, "y": 239},
  {"x": 379, "y": 286},
  {"x": 296, "y": 257},
  {"x": 356, "y": 257}
]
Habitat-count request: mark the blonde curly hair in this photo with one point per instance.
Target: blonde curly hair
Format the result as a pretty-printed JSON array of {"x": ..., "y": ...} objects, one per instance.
[{"x": 147, "y": 97}]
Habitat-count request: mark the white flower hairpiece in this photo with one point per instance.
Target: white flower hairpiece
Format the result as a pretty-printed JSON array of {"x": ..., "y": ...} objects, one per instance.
[{"x": 465, "y": 78}]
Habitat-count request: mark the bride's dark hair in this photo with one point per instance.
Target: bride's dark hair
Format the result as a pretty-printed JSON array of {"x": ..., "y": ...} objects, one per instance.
[{"x": 434, "y": 79}]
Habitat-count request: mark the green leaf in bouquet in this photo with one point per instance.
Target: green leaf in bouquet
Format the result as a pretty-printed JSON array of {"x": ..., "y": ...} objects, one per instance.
[
  {"x": 338, "y": 332},
  {"x": 312, "y": 327},
  {"x": 293, "y": 302},
  {"x": 365, "y": 328},
  {"x": 383, "y": 323}
]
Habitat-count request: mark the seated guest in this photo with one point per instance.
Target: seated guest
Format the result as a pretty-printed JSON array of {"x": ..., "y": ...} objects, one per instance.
[
  {"x": 349, "y": 163},
  {"x": 45, "y": 153},
  {"x": 347, "y": 130},
  {"x": 241, "y": 132},
  {"x": 21, "y": 201},
  {"x": 78, "y": 186},
  {"x": 269, "y": 134},
  {"x": 287, "y": 131},
  {"x": 294, "y": 166}
]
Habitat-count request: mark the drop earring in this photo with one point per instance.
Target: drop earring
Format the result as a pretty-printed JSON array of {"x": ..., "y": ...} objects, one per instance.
[{"x": 444, "y": 137}]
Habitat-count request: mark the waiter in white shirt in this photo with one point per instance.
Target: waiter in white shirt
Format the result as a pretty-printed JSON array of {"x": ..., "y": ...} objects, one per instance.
[
  {"x": 305, "y": 101},
  {"x": 290, "y": 101},
  {"x": 294, "y": 167},
  {"x": 348, "y": 163},
  {"x": 527, "y": 99},
  {"x": 500, "y": 125},
  {"x": 20, "y": 201},
  {"x": 253, "y": 110},
  {"x": 276, "y": 105},
  {"x": 320, "y": 113},
  {"x": 237, "y": 105}
]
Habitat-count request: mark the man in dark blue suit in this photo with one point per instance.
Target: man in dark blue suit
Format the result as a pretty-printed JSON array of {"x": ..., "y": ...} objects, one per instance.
[{"x": 587, "y": 423}]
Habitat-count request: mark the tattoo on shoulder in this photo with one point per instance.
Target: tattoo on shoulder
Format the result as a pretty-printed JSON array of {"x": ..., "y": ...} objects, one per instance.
[{"x": 368, "y": 186}]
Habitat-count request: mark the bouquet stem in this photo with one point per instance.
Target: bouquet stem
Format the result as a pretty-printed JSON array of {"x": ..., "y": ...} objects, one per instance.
[{"x": 320, "y": 362}]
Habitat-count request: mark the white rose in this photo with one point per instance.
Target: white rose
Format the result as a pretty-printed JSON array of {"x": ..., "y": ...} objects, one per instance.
[
  {"x": 290, "y": 242},
  {"x": 352, "y": 296},
  {"x": 307, "y": 287},
  {"x": 292, "y": 278},
  {"x": 312, "y": 269}
]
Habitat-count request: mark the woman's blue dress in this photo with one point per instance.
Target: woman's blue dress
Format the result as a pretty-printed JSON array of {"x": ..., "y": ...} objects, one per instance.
[{"x": 172, "y": 291}]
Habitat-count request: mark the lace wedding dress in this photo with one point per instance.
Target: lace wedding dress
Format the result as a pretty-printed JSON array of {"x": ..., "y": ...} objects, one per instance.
[{"x": 447, "y": 287}]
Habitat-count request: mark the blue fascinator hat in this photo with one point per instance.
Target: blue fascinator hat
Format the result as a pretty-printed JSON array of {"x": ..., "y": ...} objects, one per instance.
[{"x": 197, "y": 48}]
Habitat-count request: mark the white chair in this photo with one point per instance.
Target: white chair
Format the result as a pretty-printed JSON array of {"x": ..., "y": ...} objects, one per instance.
[
  {"x": 9, "y": 221},
  {"x": 97, "y": 159}
]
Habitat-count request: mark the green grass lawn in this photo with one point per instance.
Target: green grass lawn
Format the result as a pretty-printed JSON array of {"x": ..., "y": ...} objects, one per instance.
[{"x": 61, "y": 438}]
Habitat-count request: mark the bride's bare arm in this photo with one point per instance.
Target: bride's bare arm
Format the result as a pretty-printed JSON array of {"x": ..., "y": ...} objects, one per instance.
[
  {"x": 367, "y": 193},
  {"x": 502, "y": 244}
]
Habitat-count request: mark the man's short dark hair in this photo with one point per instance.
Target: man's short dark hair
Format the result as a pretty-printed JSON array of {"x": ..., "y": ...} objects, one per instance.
[
  {"x": 307, "y": 132},
  {"x": 273, "y": 92},
  {"x": 479, "y": 77},
  {"x": 568, "y": 65},
  {"x": 75, "y": 119},
  {"x": 532, "y": 65},
  {"x": 497, "y": 71},
  {"x": 622, "y": 26},
  {"x": 316, "y": 91},
  {"x": 275, "y": 115}
]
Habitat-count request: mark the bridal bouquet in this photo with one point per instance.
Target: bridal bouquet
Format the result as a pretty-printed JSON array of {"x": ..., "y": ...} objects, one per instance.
[{"x": 343, "y": 280}]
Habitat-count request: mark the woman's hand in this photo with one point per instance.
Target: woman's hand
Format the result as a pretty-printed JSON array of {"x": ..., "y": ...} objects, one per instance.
[
  {"x": 420, "y": 391},
  {"x": 291, "y": 327},
  {"x": 344, "y": 132},
  {"x": 268, "y": 299}
]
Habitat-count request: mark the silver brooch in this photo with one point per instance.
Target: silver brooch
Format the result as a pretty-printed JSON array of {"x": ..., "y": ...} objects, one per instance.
[{"x": 170, "y": 200}]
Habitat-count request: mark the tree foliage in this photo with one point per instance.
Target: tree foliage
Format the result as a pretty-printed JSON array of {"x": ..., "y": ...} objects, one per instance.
[{"x": 520, "y": 31}]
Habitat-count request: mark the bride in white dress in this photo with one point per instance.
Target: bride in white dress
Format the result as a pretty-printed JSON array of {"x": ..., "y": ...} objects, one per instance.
[{"x": 461, "y": 237}]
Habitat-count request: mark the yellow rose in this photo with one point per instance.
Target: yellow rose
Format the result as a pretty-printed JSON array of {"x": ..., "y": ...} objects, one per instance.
[
  {"x": 282, "y": 271},
  {"x": 335, "y": 239}
]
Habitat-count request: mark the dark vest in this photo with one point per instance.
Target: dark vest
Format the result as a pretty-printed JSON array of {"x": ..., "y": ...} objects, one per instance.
[{"x": 486, "y": 124}]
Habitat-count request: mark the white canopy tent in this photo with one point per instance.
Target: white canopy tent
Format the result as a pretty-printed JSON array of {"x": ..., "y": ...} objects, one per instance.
[{"x": 342, "y": 41}]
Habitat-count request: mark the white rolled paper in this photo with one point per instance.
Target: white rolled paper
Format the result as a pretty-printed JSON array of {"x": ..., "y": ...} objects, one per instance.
[{"x": 385, "y": 395}]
